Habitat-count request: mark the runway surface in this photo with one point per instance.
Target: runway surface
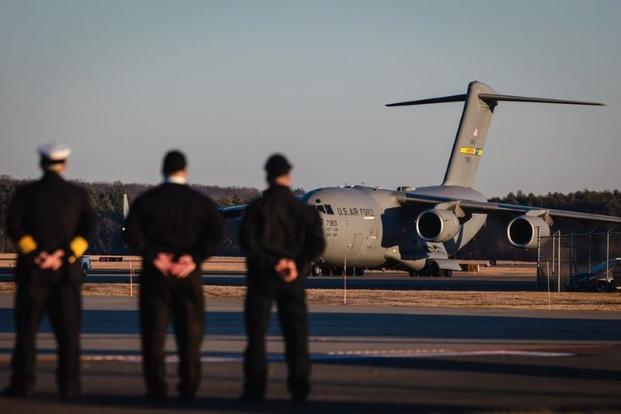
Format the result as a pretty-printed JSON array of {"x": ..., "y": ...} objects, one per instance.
[
  {"x": 366, "y": 359},
  {"x": 375, "y": 280}
]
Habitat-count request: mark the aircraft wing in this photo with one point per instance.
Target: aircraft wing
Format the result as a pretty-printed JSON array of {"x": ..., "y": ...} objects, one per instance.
[
  {"x": 500, "y": 209},
  {"x": 233, "y": 211},
  {"x": 237, "y": 210}
]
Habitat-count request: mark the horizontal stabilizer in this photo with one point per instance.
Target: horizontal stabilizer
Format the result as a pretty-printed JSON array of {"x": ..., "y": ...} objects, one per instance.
[
  {"x": 491, "y": 97},
  {"x": 442, "y": 99}
]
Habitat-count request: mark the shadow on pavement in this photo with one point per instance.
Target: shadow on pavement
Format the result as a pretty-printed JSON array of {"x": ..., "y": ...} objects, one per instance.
[
  {"x": 460, "y": 366},
  {"x": 336, "y": 324},
  {"x": 137, "y": 403}
]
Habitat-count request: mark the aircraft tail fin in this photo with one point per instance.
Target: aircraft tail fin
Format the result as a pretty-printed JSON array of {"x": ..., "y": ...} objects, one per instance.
[
  {"x": 468, "y": 147},
  {"x": 125, "y": 206}
]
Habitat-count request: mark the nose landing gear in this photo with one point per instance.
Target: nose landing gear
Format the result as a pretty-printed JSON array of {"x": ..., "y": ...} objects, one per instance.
[{"x": 431, "y": 269}]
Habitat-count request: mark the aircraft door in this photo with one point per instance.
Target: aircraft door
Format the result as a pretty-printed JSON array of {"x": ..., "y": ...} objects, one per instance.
[
  {"x": 372, "y": 238},
  {"x": 356, "y": 245}
]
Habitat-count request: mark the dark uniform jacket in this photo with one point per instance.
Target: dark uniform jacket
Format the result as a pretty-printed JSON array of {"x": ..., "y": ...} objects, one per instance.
[
  {"x": 174, "y": 218},
  {"x": 52, "y": 213},
  {"x": 278, "y": 225}
]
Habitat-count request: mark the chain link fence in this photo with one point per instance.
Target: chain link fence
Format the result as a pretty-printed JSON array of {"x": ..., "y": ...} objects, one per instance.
[{"x": 569, "y": 262}]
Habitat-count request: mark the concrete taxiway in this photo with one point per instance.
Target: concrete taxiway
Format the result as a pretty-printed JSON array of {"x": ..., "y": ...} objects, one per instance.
[
  {"x": 371, "y": 280},
  {"x": 366, "y": 359}
]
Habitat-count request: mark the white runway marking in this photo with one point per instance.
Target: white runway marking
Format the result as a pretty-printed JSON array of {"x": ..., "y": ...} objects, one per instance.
[
  {"x": 350, "y": 354},
  {"x": 430, "y": 353}
]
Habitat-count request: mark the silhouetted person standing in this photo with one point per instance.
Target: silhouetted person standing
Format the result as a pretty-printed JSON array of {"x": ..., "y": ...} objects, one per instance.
[
  {"x": 174, "y": 228},
  {"x": 50, "y": 221},
  {"x": 281, "y": 236}
]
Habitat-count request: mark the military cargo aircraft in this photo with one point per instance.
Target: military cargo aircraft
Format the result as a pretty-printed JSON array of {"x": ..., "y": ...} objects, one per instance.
[{"x": 420, "y": 229}]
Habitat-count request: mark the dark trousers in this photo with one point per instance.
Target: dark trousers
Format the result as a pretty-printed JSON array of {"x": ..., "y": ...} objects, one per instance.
[
  {"x": 182, "y": 299},
  {"x": 62, "y": 302},
  {"x": 293, "y": 316}
]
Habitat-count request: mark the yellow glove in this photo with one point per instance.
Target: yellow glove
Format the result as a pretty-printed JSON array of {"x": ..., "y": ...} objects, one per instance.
[
  {"x": 26, "y": 244},
  {"x": 77, "y": 246}
]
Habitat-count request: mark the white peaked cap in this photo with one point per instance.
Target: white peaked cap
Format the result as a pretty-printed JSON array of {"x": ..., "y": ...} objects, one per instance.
[{"x": 54, "y": 151}]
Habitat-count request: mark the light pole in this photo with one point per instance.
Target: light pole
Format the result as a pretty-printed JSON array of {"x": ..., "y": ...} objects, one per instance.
[
  {"x": 345, "y": 277},
  {"x": 131, "y": 278}
]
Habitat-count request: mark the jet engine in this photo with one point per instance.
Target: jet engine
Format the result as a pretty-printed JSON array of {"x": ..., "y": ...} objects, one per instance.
[
  {"x": 437, "y": 225},
  {"x": 523, "y": 231}
]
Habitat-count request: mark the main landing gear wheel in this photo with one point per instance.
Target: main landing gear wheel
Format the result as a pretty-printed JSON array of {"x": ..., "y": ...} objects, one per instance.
[
  {"x": 315, "y": 270},
  {"x": 603, "y": 287},
  {"x": 359, "y": 271},
  {"x": 349, "y": 271},
  {"x": 448, "y": 273},
  {"x": 424, "y": 272},
  {"x": 337, "y": 271},
  {"x": 433, "y": 269}
]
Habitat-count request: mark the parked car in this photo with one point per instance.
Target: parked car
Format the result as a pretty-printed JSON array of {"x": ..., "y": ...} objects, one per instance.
[
  {"x": 598, "y": 279},
  {"x": 85, "y": 262}
]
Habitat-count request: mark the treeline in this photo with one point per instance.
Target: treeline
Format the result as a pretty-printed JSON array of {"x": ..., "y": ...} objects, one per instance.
[
  {"x": 599, "y": 202},
  {"x": 107, "y": 200}
]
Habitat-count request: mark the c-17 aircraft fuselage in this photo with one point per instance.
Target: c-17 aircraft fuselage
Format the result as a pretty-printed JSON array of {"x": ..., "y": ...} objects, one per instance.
[
  {"x": 369, "y": 228},
  {"x": 420, "y": 229}
]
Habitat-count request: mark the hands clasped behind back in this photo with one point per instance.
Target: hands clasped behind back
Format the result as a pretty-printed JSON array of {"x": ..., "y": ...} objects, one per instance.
[
  {"x": 47, "y": 261},
  {"x": 287, "y": 270},
  {"x": 179, "y": 268}
]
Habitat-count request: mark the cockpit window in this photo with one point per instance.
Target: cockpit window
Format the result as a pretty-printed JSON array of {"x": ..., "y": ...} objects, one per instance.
[
  {"x": 320, "y": 208},
  {"x": 305, "y": 198},
  {"x": 329, "y": 209}
]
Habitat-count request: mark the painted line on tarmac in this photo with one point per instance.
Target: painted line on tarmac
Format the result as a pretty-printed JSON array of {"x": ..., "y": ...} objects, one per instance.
[
  {"x": 170, "y": 359},
  {"x": 431, "y": 353},
  {"x": 328, "y": 356},
  {"x": 349, "y": 355}
]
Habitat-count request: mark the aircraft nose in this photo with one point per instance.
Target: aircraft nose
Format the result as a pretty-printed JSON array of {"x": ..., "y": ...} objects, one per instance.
[{"x": 313, "y": 198}]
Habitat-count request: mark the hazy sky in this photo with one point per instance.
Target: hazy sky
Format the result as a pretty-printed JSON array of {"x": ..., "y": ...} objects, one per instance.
[{"x": 230, "y": 82}]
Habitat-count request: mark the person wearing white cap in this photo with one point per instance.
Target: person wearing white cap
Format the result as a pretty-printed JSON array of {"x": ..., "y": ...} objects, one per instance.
[{"x": 49, "y": 221}]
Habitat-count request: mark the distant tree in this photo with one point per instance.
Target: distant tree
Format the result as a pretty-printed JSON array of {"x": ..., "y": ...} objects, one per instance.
[{"x": 107, "y": 201}]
